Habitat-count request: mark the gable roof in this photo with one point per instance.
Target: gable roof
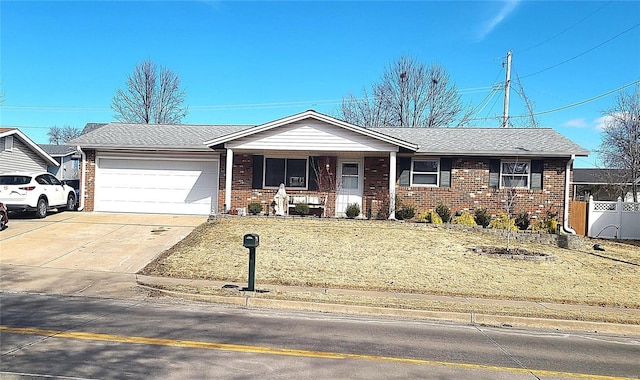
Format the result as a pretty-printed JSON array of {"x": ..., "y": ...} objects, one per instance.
[
  {"x": 522, "y": 142},
  {"x": 315, "y": 116},
  {"x": 596, "y": 176},
  {"x": 55, "y": 150},
  {"x": 182, "y": 137},
  {"x": 16, "y": 133}
]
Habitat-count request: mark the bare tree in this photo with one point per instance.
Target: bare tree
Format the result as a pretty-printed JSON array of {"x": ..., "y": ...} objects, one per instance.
[
  {"x": 60, "y": 135},
  {"x": 409, "y": 94},
  {"x": 620, "y": 145},
  {"x": 150, "y": 99}
]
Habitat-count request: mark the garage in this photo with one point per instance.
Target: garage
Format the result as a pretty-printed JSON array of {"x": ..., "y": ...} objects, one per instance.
[{"x": 156, "y": 185}]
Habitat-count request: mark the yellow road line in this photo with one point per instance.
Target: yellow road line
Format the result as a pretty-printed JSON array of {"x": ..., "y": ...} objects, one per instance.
[{"x": 284, "y": 351}]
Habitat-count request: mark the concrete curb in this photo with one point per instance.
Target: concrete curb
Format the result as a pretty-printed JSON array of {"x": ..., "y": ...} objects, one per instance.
[{"x": 441, "y": 316}]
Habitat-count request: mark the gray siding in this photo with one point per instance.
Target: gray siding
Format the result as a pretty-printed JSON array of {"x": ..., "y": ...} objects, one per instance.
[
  {"x": 68, "y": 169},
  {"x": 20, "y": 158}
]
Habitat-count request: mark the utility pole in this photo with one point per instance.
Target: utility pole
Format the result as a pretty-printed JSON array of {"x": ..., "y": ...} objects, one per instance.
[{"x": 507, "y": 88}]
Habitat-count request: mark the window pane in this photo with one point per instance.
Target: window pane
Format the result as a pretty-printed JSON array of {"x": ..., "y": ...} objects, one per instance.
[
  {"x": 349, "y": 169},
  {"x": 515, "y": 168},
  {"x": 425, "y": 166},
  {"x": 273, "y": 172},
  {"x": 515, "y": 181},
  {"x": 425, "y": 179},
  {"x": 296, "y": 173}
]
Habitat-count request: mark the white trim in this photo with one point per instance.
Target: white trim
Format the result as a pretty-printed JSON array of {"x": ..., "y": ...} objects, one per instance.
[
  {"x": 228, "y": 180},
  {"x": 515, "y": 161},
  {"x": 437, "y": 173},
  {"x": 31, "y": 144},
  {"x": 392, "y": 185}
]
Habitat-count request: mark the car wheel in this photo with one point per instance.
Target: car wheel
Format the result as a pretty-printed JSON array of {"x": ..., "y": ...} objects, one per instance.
[
  {"x": 3, "y": 222},
  {"x": 71, "y": 202},
  {"x": 42, "y": 208}
]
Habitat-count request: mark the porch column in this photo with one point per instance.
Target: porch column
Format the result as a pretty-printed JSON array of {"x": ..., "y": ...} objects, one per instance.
[
  {"x": 392, "y": 185},
  {"x": 228, "y": 176}
]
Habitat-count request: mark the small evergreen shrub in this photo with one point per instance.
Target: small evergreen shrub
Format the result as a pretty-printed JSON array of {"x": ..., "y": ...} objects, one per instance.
[
  {"x": 522, "y": 221},
  {"x": 429, "y": 217},
  {"x": 482, "y": 217},
  {"x": 302, "y": 209},
  {"x": 444, "y": 211},
  {"x": 255, "y": 208},
  {"x": 465, "y": 219},
  {"x": 503, "y": 223},
  {"x": 548, "y": 223},
  {"x": 405, "y": 211},
  {"x": 353, "y": 210}
]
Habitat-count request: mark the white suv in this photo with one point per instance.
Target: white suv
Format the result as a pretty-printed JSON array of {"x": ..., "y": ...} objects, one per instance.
[{"x": 35, "y": 192}]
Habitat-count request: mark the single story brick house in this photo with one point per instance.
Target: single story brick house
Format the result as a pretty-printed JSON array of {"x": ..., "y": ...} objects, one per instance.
[{"x": 211, "y": 169}]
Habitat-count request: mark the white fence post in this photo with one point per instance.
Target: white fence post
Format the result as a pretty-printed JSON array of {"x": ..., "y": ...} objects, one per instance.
[{"x": 589, "y": 213}]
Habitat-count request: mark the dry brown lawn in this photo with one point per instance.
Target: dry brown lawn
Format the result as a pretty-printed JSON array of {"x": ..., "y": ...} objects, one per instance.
[{"x": 401, "y": 257}]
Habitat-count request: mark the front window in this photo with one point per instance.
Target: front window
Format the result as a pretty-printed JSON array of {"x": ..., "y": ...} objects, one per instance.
[
  {"x": 425, "y": 172},
  {"x": 290, "y": 171},
  {"x": 515, "y": 174}
]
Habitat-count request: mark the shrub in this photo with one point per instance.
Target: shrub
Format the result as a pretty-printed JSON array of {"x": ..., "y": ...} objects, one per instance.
[
  {"x": 548, "y": 223},
  {"x": 353, "y": 210},
  {"x": 405, "y": 211},
  {"x": 465, "y": 219},
  {"x": 429, "y": 217},
  {"x": 444, "y": 211},
  {"x": 302, "y": 209},
  {"x": 254, "y": 208},
  {"x": 522, "y": 220},
  {"x": 482, "y": 217},
  {"x": 502, "y": 221},
  {"x": 383, "y": 208}
]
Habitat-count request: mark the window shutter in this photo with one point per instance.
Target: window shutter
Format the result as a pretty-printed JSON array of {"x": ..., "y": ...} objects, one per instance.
[
  {"x": 445, "y": 172},
  {"x": 537, "y": 167},
  {"x": 494, "y": 174},
  {"x": 405, "y": 171},
  {"x": 258, "y": 162},
  {"x": 313, "y": 173}
]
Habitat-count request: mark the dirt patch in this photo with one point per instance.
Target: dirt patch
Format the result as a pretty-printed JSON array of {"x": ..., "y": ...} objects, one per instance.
[{"x": 400, "y": 257}]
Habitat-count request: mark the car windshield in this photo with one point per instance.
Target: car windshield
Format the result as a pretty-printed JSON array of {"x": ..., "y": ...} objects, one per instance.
[{"x": 14, "y": 180}]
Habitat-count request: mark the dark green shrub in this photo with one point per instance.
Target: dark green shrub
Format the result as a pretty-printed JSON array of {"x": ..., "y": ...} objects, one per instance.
[
  {"x": 482, "y": 217},
  {"x": 444, "y": 211},
  {"x": 255, "y": 208},
  {"x": 352, "y": 211},
  {"x": 302, "y": 209},
  {"x": 522, "y": 220},
  {"x": 405, "y": 211}
]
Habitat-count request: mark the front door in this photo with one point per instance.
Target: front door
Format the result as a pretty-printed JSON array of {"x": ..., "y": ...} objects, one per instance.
[{"x": 350, "y": 184}]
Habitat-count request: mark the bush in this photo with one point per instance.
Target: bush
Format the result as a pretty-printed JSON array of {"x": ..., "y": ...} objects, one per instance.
[
  {"x": 502, "y": 222},
  {"x": 522, "y": 220},
  {"x": 429, "y": 217},
  {"x": 444, "y": 211},
  {"x": 465, "y": 219},
  {"x": 482, "y": 217},
  {"x": 353, "y": 210},
  {"x": 254, "y": 208},
  {"x": 383, "y": 208},
  {"x": 302, "y": 209},
  {"x": 405, "y": 211},
  {"x": 548, "y": 223}
]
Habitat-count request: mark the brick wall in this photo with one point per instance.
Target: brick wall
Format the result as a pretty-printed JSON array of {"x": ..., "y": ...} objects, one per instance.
[{"x": 90, "y": 179}]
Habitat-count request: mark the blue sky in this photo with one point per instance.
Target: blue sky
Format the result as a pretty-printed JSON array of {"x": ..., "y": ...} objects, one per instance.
[{"x": 247, "y": 62}]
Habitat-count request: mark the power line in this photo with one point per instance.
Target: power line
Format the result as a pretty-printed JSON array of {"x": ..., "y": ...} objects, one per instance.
[
  {"x": 583, "y": 53},
  {"x": 565, "y": 30}
]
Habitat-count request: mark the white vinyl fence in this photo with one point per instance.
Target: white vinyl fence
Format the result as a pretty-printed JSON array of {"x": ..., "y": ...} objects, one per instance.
[{"x": 614, "y": 220}]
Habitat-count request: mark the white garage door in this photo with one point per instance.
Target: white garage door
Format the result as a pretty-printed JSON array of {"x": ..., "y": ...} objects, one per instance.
[{"x": 165, "y": 186}]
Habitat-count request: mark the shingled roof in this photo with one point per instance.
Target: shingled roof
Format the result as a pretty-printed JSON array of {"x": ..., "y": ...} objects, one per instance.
[
  {"x": 58, "y": 150},
  {"x": 488, "y": 141}
]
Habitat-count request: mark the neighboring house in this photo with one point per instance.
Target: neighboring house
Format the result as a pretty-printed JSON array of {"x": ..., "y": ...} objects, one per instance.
[
  {"x": 187, "y": 168},
  {"x": 19, "y": 153},
  {"x": 603, "y": 184},
  {"x": 68, "y": 160}
]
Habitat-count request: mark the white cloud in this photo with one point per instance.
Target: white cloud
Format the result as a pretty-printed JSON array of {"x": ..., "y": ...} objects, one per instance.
[
  {"x": 576, "y": 123},
  {"x": 601, "y": 122},
  {"x": 507, "y": 8}
]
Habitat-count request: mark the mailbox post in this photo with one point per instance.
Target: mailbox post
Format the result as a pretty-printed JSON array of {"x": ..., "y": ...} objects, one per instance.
[{"x": 251, "y": 241}]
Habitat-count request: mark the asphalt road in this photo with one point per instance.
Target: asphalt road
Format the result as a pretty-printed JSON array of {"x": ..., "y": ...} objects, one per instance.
[{"x": 97, "y": 338}]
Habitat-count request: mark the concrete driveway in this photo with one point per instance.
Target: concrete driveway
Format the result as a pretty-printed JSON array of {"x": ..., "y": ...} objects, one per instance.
[{"x": 85, "y": 252}]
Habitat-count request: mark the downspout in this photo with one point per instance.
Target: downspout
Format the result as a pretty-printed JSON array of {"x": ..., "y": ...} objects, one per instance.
[
  {"x": 83, "y": 178},
  {"x": 567, "y": 183}
]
